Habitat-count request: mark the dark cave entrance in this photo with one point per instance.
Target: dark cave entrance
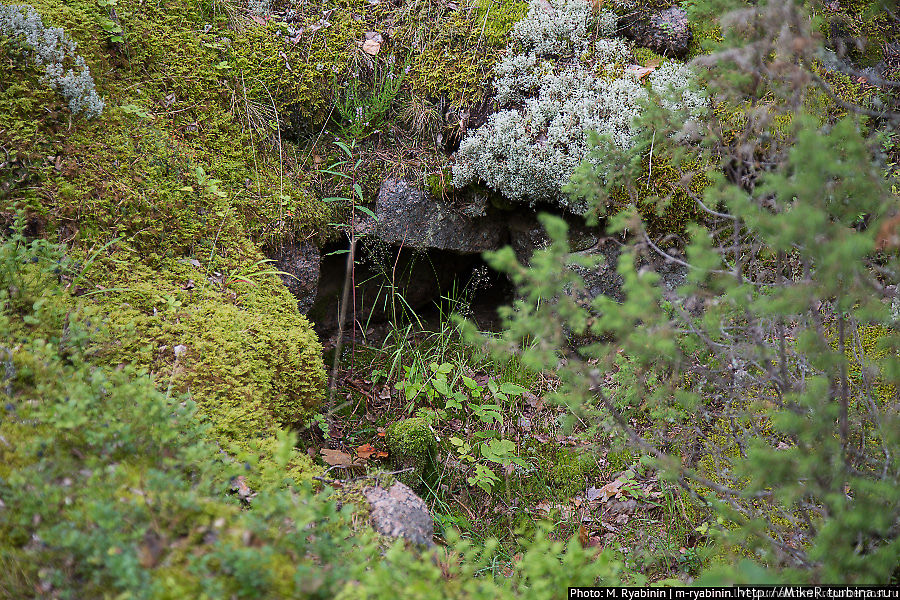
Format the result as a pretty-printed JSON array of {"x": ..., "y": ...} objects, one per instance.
[{"x": 404, "y": 286}]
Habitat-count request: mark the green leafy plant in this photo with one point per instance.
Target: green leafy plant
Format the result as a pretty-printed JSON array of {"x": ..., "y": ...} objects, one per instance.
[
  {"x": 361, "y": 106},
  {"x": 355, "y": 200},
  {"x": 484, "y": 478},
  {"x": 206, "y": 184},
  {"x": 113, "y": 29},
  {"x": 463, "y": 396}
]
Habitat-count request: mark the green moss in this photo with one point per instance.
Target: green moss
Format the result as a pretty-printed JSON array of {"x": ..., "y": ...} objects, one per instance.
[
  {"x": 412, "y": 445},
  {"x": 299, "y": 79},
  {"x": 619, "y": 460},
  {"x": 662, "y": 199},
  {"x": 249, "y": 359},
  {"x": 863, "y": 20},
  {"x": 869, "y": 345},
  {"x": 455, "y": 59},
  {"x": 559, "y": 474},
  {"x": 706, "y": 36},
  {"x": 439, "y": 183},
  {"x": 569, "y": 471},
  {"x": 643, "y": 56},
  {"x": 847, "y": 91},
  {"x": 411, "y": 438},
  {"x": 447, "y": 53}
]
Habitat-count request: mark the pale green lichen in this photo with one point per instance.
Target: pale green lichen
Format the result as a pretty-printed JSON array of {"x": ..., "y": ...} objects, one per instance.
[{"x": 529, "y": 149}]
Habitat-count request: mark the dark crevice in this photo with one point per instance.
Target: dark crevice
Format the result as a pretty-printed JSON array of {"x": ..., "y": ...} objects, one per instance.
[{"x": 403, "y": 286}]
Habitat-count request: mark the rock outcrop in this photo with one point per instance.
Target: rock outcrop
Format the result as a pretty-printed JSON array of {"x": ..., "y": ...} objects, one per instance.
[{"x": 300, "y": 264}]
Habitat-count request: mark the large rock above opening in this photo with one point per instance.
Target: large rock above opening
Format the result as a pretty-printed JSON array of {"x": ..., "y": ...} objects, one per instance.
[{"x": 409, "y": 216}]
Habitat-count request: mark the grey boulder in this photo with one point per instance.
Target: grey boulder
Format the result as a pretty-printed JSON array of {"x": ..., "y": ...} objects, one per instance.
[{"x": 665, "y": 32}]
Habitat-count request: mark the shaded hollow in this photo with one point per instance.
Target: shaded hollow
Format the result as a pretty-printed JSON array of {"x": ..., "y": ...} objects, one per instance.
[{"x": 401, "y": 286}]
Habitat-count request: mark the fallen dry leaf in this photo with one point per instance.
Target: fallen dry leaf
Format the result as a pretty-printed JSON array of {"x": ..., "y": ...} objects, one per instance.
[
  {"x": 542, "y": 508},
  {"x": 150, "y": 550},
  {"x": 336, "y": 458},
  {"x": 613, "y": 489},
  {"x": 639, "y": 71},
  {"x": 587, "y": 540},
  {"x": 583, "y": 537},
  {"x": 371, "y": 47}
]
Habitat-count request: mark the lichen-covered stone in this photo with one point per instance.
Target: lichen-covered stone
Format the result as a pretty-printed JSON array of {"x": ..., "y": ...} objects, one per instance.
[{"x": 399, "y": 512}]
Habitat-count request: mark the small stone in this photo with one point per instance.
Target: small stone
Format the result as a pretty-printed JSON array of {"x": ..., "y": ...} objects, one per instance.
[
  {"x": 399, "y": 512},
  {"x": 372, "y": 43}
]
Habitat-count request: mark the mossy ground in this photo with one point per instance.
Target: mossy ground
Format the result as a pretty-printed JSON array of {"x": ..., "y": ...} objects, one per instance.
[{"x": 210, "y": 148}]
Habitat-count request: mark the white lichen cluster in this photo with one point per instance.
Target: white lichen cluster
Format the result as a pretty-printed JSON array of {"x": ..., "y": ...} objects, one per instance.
[
  {"x": 560, "y": 27},
  {"x": 260, "y": 7},
  {"x": 50, "y": 48},
  {"x": 678, "y": 92},
  {"x": 563, "y": 76}
]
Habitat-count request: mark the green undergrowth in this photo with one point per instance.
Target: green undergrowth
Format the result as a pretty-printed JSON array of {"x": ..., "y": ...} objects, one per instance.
[
  {"x": 110, "y": 486},
  {"x": 480, "y": 440}
]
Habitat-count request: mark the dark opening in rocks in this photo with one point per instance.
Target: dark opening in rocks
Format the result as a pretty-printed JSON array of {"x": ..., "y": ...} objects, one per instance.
[{"x": 395, "y": 285}]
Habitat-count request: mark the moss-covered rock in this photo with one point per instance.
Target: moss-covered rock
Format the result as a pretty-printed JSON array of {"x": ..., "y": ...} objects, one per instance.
[
  {"x": 413, "y": 445},
  {"x": 164, "y": 202}
]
